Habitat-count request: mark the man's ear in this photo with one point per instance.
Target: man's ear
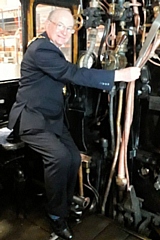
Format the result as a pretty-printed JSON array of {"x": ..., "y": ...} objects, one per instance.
[{"x": 47, "y": 22}]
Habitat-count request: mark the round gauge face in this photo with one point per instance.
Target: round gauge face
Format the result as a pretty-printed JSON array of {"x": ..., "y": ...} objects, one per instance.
[{"x": 89, "y": 62}]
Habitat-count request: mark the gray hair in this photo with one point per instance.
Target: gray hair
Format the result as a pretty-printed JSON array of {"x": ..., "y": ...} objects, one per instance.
[{"x": 54, "y": 12}]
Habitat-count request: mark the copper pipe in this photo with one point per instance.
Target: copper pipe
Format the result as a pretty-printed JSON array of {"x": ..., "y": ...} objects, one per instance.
[
  {"x": 118, "y": 124},
  {"x": 136, "y": 15},
  {"x": 122, "y": 168},
  {"x": 123, "y": 176},
  {"x": 80, "y": 173},
  {"x": 84, "y": 158},
  {"x": 110, "y": 39}
]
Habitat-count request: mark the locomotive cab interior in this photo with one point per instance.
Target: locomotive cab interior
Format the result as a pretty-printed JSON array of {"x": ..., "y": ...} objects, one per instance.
[{"x": 117, "y": 132}]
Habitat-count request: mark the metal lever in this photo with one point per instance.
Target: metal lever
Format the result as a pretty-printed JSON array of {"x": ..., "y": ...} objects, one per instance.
[{"x": 149, "y": 39}]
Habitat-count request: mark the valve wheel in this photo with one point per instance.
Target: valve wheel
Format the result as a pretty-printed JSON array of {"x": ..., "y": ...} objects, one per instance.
[{"x": 78, "y": 21}]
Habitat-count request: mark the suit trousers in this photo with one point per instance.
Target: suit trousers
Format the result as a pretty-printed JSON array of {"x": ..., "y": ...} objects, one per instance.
[{"x": 61, "y": 161}]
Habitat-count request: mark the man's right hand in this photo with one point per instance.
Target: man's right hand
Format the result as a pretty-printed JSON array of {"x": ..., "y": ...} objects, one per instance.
[{"x": 127, "y": 74}]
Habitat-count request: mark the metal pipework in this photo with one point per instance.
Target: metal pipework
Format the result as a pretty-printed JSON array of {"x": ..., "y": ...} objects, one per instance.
[
  {"x": 122, "y": 42},
  {"x": 82, "y": 202},
  {"x": 115, "y": 58},
  {"x": 92, "y": 38},
  {"x": 94, "y": 4},
  {"x": 122, "y": 86},
  {"x": 156, "y": 10},
  {"x": 144, "y": 52},
  {"x": 144, "y": 55},
  {"x": 116, "y": 11},
  {"x": 93, "y": 15},
  {"x": 111, "y": 9}
]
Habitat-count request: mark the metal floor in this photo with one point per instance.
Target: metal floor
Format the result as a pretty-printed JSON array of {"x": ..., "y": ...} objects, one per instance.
[{"x": 34, "y": 226}]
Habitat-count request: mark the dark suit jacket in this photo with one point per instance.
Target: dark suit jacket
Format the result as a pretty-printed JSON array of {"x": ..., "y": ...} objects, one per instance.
[{"x": 44, "y": 73}]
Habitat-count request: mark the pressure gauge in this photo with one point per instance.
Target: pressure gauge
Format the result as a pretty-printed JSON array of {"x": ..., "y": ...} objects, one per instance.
[{"x": 91, "y": 59}]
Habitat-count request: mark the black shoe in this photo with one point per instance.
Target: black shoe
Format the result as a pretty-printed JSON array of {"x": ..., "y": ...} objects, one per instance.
[{"x": 61, "y": 228}]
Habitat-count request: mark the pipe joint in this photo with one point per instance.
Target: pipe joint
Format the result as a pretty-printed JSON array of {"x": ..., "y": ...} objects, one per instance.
[{"x": 121, "y": 182}]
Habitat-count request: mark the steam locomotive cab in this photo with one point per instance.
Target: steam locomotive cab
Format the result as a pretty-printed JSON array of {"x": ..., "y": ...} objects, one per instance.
[
  {"x": 119, "y": 129},
  {"x": 117, "y": 132}
]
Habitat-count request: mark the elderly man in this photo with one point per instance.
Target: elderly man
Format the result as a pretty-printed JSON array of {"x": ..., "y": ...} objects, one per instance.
[{"x": 38, "y": 111}]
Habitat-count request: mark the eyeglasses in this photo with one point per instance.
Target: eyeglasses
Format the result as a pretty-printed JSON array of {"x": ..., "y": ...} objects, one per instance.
[{"x": 61, "y": 27}]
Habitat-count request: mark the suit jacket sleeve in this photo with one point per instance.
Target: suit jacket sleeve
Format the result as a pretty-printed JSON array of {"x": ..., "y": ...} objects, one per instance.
[{"x": 50, "y": 60}]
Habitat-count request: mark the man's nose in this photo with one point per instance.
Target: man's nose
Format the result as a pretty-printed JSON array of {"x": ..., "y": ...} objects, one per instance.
[{"x": 65, "y": 31}]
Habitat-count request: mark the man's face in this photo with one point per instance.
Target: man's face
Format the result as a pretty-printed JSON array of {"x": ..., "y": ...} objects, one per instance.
[{"x": 60, "y": 28}]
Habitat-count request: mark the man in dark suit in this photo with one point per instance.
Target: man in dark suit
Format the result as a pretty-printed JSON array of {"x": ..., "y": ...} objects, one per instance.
[{"x": 39, "y": 109}]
